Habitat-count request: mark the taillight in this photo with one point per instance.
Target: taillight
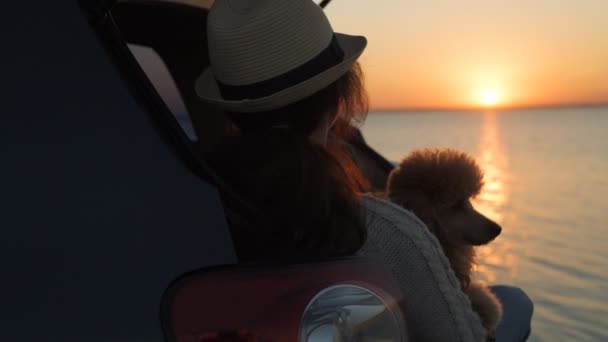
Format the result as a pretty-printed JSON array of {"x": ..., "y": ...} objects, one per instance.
[
  {"x": 350, "y": 313},
  {"x": 338, "y": 300}
]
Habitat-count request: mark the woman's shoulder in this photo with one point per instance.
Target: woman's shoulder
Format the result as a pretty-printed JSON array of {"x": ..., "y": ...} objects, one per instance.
[
  {"x": 386, "y": 218},
  {"x": 390, "y": 224},
  {"x": 389, "y": 212}
]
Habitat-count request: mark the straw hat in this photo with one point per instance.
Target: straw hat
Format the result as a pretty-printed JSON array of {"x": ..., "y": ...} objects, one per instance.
[{"x": 266, "y": 54}]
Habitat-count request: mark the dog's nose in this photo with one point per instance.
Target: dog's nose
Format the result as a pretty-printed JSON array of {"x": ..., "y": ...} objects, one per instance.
[{"x": 494, "y": 228}]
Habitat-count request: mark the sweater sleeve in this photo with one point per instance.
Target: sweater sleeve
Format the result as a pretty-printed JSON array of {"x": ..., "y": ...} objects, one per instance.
[{"x": 437, "y": 310}]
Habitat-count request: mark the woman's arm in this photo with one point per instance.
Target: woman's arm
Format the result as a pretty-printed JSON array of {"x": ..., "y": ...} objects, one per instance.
[{"x": 437, "y": 310}]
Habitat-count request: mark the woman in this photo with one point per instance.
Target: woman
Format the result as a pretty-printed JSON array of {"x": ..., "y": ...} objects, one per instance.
[{"x": 293, "y": 88}]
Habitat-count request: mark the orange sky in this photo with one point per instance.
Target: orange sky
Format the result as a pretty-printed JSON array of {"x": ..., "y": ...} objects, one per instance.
[{"x": 445, "y": 54}]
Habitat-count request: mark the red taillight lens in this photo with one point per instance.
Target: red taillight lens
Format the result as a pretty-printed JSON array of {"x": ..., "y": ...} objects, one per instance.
[
  {"x": 282, "y": 302},
  {"x": 226, "y": 336}
]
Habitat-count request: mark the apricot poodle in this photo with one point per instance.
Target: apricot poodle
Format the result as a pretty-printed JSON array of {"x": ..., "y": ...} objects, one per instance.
[{"x": 437, "y": 185}]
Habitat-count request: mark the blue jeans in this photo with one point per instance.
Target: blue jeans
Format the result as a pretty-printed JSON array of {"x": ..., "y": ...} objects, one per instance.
[{"x": 517, "y": 314}]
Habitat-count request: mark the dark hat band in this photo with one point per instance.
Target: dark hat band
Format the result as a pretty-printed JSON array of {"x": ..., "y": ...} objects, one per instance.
[{"x": 332, "y": 55}]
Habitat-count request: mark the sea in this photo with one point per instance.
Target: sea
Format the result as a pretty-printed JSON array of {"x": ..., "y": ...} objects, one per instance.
[{"x": 546, "y": 176}]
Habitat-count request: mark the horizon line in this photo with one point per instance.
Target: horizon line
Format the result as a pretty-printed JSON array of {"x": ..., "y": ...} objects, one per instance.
[{"x": 497, "y": 108}]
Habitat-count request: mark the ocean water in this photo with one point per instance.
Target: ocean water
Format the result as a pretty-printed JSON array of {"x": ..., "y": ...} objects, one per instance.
[{"x": 546, "y": 174}]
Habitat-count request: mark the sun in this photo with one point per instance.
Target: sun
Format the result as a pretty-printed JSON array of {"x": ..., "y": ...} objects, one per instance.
[{"x": 489, "y": 97}]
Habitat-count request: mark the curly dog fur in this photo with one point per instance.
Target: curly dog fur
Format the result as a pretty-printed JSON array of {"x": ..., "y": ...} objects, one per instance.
[{"x": 437, "y": 186}]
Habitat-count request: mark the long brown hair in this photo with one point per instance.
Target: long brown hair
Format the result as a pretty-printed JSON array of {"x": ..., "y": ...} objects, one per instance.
[{"x": 308, "y": 193}]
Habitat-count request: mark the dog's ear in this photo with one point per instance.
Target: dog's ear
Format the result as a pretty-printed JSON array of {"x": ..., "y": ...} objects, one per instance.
[
  {"x": 420, "y": 204},
  {"x": 403, "y": 188}
]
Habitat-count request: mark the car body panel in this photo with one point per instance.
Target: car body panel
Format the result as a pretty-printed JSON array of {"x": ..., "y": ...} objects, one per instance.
[{"x": 98, "y": 215}]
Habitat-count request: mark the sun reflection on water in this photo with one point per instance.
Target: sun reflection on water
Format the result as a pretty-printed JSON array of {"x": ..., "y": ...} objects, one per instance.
[
  {"x": 493, "y": 196},
  {"x": 492, "y": 200}
]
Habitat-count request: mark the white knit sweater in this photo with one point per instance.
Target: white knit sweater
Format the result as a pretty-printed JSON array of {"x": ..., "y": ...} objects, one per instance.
[{"x": 437, "y": 310}]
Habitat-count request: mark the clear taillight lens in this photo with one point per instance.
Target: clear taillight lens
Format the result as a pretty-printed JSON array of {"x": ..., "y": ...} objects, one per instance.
[{"x": 350, "y": 313}]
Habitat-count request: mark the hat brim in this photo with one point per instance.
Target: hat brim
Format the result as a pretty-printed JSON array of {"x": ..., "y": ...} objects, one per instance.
[{"x": 208, "y": 90}]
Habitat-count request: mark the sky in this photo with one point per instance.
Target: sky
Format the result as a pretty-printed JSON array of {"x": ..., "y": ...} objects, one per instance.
[
  {"x": 462, "y": 54},
  {"x": 474, "y": 53}
]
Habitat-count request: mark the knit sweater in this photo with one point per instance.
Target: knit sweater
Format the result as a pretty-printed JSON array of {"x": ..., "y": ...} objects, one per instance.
[{"x": 437, "y": 310}]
